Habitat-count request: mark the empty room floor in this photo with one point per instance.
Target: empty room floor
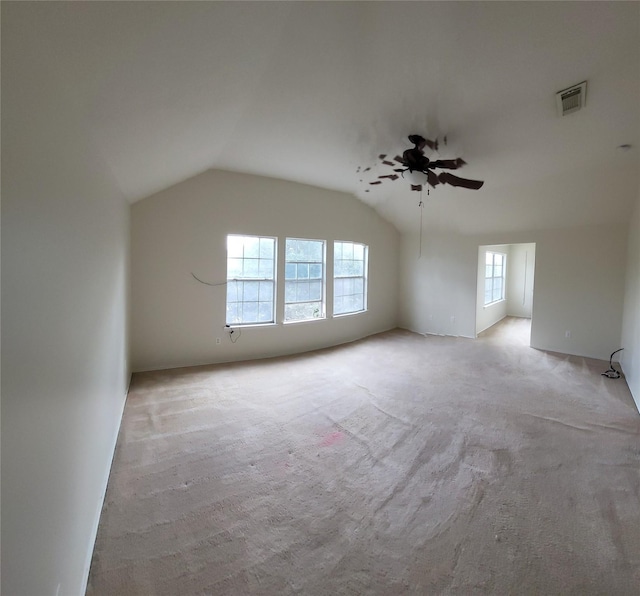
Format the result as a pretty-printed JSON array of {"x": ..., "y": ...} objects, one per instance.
[{"x": 397, "y": 464}]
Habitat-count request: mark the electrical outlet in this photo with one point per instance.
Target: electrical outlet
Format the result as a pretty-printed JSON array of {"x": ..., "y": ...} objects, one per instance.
[
  {"x": 567, "y": 334},
  {"x": 218, "y": 341}
]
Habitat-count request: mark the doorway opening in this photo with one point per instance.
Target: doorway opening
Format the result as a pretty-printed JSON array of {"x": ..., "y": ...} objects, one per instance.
[{"x": 505, "y": 286}]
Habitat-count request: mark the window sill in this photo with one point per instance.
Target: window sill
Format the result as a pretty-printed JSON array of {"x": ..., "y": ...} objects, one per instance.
[
  {"x": 494, "y": 303},
  {"x": 249, "y": 325},
  {"x": 349, "y": 314},
  {"x": 314, "y": 320}
]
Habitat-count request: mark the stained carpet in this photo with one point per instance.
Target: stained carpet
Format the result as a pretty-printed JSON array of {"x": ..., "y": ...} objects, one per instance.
[{"x": 398, "y": 464}]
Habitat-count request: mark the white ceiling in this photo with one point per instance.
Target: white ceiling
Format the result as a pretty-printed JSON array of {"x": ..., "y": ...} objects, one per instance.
[{"x": 309, "y": 91}]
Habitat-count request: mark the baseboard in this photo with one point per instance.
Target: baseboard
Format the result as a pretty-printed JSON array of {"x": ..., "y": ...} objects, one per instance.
[{"x": 103, "y": 494}]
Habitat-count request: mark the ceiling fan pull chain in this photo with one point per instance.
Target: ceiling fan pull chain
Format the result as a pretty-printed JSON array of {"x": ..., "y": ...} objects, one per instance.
[{"x": 421, "y": 206}]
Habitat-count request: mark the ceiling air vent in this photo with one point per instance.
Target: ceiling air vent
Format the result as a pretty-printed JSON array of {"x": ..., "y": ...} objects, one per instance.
[{"x": 571, "y": 99}]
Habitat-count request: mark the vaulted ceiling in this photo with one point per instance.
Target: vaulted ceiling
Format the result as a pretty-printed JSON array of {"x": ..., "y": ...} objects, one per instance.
[{"x": 310, "y": 91}]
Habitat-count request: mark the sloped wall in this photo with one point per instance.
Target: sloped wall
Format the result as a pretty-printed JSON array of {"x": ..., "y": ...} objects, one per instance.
[{"x": 176, "y": 320}]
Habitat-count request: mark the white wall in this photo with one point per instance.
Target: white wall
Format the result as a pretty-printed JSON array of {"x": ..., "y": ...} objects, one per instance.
[
  {"x": 630, "y": 358},
  {"x": 64, "y": 323},
  {"x": 175, "y": 319},
  {"x": 438, "y": 289},
  {"x": 579, "y": 286},
  {"x": 489, "y": 315},
  {"x": 520, "y": 281}
]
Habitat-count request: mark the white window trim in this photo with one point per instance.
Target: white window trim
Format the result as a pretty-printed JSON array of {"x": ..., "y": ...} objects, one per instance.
[
  {"x": 504, "y": 278},
  {"x": 323, "y": 299},
  {"x": 273, "y": 280},
  {"x": 364, "y": 277}
]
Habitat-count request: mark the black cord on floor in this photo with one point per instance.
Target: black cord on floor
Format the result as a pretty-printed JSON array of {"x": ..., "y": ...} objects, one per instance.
[{"x": 612, "y": 373}]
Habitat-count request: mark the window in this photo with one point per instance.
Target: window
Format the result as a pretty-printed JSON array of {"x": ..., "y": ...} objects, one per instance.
[
  {"x": 350, "y": 277},
  {"x": 304, "y": 280},
  {"x": 494, "y": 277},
  {"x": 250, "y": 279}
]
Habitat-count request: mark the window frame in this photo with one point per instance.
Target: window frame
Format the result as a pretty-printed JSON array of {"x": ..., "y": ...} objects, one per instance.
[
  {"x": 299, "y": 281},
  {"x": 493, "y": 277},
  {"x": 248, "y": 278},
  {"x": 364, "y": 277}
]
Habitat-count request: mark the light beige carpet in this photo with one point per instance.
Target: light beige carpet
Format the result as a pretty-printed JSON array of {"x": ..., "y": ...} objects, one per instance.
[{"x": 399, "y": 464}]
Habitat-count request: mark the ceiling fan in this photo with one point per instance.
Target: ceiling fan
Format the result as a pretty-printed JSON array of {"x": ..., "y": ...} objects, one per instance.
[{"x": 415, "y": 161}]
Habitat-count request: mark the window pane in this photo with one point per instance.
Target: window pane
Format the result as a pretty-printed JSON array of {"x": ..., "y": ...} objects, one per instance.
[
  {"x": 267, "y": 246},
  {"x": 235, "y": 246},
  {"x": 249, "y": 312},
  {"x": 303, "y": 271},
  {"x": 290, "y": 291},
  {"x": 251, "y": 268},
  {"x": 266, "y": 291},
  {"x": 251, "y": 247},
  {"x": 302, "y": 292},
  {"x": 315, "y": 290},
  {"x": 265, "y": 268},
  {"x": 347, "y": 250},
  {"x": 357, "y": 303},
  {"x": 232, "y": 313},
  {"x": 315, "y": 271},
  {"x": 302, "y": 311},
  {"x": 290, "y": 271},
  {"x": 315, "y": 252},
  {"x": 250, "y": 291},
  {"x": 232, "y": 291},
  {"x": 265, "y": 312},
  {"x": 234, "y": 268},
  {"x": 348, "y": 286}
]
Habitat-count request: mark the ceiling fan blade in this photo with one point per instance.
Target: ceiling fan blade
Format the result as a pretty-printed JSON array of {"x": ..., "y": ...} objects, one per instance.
[
  {"x": 376, "y": 182},
  {"x": 399, "y": 159},
  {"x": 449, "y": 164},
  {"x": 386, "y": 162},
  {"x": 446, "y": 178},
  {"x": 433, "y": 145},
  {"x": 390, "y": 176},
  {"x": 432, "y": 178},
  {"x": 416, "y": 187},
  {"x": 382, "y": 156}
]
